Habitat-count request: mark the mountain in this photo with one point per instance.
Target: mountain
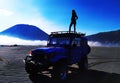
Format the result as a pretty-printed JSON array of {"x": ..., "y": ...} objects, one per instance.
[
  {"x": 25, "y": 31},
  {"x": 112, "y": 37}
]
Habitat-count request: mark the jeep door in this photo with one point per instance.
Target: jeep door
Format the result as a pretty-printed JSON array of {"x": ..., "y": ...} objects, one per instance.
[{"x": 76, "y": 50}]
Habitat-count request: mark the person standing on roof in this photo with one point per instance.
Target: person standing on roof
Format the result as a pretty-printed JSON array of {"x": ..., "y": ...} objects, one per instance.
[{"x": 74, "y": 17}]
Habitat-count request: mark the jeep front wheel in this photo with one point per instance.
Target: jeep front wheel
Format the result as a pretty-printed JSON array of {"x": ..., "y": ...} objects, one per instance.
[
  {"x": 60, "y": 70},
  {"x": 30, "y": 69}
]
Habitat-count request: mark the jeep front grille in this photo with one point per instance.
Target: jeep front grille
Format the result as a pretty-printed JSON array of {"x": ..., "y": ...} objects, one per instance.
[{"x": 39, "y": 57}]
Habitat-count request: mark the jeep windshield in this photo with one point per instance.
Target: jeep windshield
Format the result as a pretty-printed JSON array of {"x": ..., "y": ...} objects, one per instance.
[{"x": 62, "y": 41}]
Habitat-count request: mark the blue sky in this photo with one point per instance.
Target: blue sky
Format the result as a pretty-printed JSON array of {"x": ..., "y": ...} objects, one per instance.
[{"x": 54, "y": 15}]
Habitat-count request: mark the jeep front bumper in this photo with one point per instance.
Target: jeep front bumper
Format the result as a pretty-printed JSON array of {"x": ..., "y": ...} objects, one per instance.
[{"x": 35, "y": 66}]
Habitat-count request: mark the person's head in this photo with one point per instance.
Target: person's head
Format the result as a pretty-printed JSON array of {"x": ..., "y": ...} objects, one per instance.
[{"x": 73, "y": 11}]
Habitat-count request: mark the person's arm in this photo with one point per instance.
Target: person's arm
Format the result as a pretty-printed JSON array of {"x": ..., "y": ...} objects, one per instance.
[{"x": 76, "y": 17}]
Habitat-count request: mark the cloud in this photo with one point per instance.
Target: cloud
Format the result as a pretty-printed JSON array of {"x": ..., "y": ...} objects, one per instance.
[
  {"x": 17, "y": 12},
  {"x": 94, "y": 43},
  {"x": 6, "y": 40},
  {"x": 5, "y": 12}
]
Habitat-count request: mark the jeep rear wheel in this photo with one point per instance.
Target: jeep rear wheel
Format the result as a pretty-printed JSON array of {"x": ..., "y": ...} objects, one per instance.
[
  {"x": 83, "y": 64},
  {"x": 60, "y": 70}
]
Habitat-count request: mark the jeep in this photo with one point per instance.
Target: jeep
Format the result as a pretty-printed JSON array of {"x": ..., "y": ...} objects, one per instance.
[{"x": 63, "y": 49}]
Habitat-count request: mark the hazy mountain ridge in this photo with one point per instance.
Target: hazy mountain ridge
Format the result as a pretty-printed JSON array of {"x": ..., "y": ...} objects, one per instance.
[
  {"x": 31, "y": 32},
  {"x": 25, "y": 31},
  {"x": 110, "y": 37}
]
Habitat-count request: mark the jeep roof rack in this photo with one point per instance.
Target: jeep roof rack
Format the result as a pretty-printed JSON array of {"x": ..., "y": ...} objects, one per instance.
[{"x": 67, "y": 32}]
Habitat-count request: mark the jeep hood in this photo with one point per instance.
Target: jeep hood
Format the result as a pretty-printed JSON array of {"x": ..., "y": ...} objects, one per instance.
[
  {"x": 58, "y": 52},
  {"x": 47, "y": 50}
]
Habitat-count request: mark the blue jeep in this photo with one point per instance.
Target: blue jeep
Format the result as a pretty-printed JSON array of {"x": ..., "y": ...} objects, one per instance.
[{"x": 63, "y": 49}]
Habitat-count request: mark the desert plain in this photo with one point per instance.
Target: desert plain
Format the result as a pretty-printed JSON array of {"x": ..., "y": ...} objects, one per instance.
[{"x": 104, "y": 66}]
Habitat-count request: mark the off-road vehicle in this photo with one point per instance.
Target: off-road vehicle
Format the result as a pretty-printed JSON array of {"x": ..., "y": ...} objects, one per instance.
[{"x": 64, "y": 48}]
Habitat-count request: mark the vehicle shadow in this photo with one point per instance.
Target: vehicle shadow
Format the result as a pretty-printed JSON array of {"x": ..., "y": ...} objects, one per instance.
[{"x": 91, "y": 76}]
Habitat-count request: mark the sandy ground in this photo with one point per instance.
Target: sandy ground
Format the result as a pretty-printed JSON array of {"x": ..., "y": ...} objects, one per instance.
[{"x": 104, "y": 66}]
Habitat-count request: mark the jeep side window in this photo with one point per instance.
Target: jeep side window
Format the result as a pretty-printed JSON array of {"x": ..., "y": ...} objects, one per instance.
[
  {"x": 64, "y": 41},
  {"x": 53, "y": 41},
  {"x": 76, "y": 42},
  {"x": 59, "y": 41},
  {"x": 83, "y": 42}
]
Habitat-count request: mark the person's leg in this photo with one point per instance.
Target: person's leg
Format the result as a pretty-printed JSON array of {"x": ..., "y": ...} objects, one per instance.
[
  {"x": 70, "y": 27},
  {"x": 74, "y": 27}
]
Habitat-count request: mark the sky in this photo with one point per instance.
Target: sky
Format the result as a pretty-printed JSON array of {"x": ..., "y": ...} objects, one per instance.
[{"x": 94, "y": 16}]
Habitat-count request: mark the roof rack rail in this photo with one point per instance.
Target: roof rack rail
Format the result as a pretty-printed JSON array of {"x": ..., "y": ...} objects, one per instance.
[{"x": 64, "y": 32}]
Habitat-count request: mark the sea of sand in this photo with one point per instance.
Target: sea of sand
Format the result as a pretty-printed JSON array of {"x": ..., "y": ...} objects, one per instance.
[{"x": 104, "y": 66}]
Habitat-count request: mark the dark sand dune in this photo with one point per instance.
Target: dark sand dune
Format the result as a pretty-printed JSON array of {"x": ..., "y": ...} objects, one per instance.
[{"x": 104, "y": 67}]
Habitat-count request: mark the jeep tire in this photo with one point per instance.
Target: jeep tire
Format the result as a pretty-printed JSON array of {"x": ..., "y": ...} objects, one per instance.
[
  {"x": 60, "y": 70},
  {"x": 83, "y": 64},
  {"x": 30, "y": 69}
]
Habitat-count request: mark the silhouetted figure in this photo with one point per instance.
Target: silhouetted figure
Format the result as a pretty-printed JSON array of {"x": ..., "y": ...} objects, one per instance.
[{"x": 73, "y": 21}]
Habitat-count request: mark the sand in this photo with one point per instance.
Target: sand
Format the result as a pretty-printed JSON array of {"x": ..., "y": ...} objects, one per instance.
[
  {"x": 12, "y": 68},
  {"x": 104, "y": 66}
]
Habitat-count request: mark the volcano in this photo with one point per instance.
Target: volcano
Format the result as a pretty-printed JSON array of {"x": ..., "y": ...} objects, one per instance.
[{"x": 25, "y": 31}]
